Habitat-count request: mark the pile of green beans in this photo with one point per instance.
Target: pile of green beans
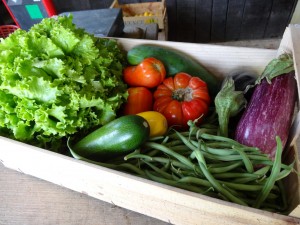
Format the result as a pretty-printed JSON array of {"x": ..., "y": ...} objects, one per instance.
[{"x": 201, "y": 161}]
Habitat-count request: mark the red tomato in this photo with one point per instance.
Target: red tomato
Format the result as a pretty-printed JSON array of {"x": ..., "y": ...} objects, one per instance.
[
  {"x": 182, "y": 98},
  {"x": 149, "y": 73},
  {"x": 140, "y": 99}
]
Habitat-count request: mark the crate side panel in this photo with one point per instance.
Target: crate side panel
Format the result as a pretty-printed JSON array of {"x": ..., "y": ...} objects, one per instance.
[
  {"x": 219, "y": 60},
  {"x": 160, "y": 201}
]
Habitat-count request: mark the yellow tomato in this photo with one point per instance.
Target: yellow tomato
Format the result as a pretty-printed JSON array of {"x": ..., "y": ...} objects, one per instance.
[{"x": 157, "y": 122}]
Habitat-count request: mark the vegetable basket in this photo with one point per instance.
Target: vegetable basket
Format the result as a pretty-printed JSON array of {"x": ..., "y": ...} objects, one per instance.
[
  {"x": 5, "y": 30},
  {"x": 170, "y": 204}
]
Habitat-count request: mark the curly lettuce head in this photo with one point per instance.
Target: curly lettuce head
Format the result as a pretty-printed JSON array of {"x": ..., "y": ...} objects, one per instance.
[{"x": 57, "y": 79}]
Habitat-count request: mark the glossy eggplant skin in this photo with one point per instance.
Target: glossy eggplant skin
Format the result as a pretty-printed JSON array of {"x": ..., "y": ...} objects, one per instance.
[{"x": 269, "y": 113}]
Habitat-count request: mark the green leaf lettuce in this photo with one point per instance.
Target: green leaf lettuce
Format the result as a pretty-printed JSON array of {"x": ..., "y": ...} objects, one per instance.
[{"x": 57, "y": 79}]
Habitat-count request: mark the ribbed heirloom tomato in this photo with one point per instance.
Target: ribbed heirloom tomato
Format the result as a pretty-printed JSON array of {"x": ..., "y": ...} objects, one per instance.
[{"x": 182, "y": 98}]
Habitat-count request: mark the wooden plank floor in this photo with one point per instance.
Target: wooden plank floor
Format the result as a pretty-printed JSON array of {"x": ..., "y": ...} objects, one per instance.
[{"x": 26, "y": 200}]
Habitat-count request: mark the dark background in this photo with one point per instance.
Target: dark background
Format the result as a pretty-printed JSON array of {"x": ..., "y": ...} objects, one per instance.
[{"x": 203, "y": 21}]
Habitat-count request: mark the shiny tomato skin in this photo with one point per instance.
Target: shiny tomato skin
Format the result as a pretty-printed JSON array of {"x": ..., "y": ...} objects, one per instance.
[
  {"x": 191, "y": 110},
  {"x": 182, "y": 98},
  {"x": 181, "y": 80},
  {"x": 149, "y": 73},
  {"x": 173, "y": 113},
  {"x": 140, "y": 99}
]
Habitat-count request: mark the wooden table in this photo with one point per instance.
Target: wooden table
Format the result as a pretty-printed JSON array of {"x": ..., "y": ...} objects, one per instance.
[{"x": 28, "y": 200}]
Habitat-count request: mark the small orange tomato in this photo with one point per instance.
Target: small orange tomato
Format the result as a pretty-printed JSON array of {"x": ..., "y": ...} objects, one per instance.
[
  {"x": 149, "y": 73},
  {"x": 139, "y": 99}
]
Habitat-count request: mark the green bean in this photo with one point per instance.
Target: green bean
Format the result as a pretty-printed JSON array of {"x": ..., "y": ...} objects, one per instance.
[
  {"x": 233, "y": 157},
  {"x": 219, "y": 187},
  {"x": 199, "y": 156},
  {"x": 269, "y": 162},
  {"x": 168, "y": 151},
  {"x": 166, "y": 166},
  {"x": 245, "y": 187},
  {"x": 132, "y": 168},
  {"x": 180, "y": 173},
  {"x": 195, "y": 180},
  {"x": 165, "y": 140},
  {"x": 221, "y": 196},
  {"x": 182, "y": 149},
  {"x": 272, "y": 178},
  {"x": 217, "y": 144},
  {"x": 283, "y": 195},
  {"x": 159, "y": 171},
  {"x": 173, "y": 143},
  {"x": 211, "y": 137},
  {"x": 260, "y": 173},
  {"x": 216, "y": 164},
  {"x": 246, "y": 160},
  {"x": 175, "y": 136},
  {"x": 214, "y": 151},
  {"x": 285, "y": 172},
  {"x": 221, "y": 158},
  {"x": 196, "y": 151},
  {"x": 235, "y": 175},
  {"x": 172, "y": 161},
  {"x": 225, "y": 168},
  {"x": 236, "y": 193},
  {"x": 270, "y": 206},
  {"x": 174, "y": 183},
  {"x": 152, "y": 152},
  {"x": 157, "y": 138},
  {"x": 183, "y": 173},
  {"x": 137, "y": 155}
]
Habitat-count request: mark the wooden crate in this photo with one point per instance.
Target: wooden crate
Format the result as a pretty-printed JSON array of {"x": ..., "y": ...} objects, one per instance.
[
  {"x": 163, "y": 202},
  {"x": 132, "y": 13}
]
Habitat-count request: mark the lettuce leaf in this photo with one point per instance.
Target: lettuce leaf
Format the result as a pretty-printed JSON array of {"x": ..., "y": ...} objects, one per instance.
[{"x": 56, "y": 80}]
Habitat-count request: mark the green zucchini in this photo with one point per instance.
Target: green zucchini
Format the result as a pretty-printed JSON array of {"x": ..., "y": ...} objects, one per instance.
[
  {"x": 119, "y": 136},
  {"x": 174, "y": 62}
]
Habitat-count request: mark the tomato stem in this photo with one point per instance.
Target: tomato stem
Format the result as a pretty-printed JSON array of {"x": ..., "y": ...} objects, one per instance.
[{"x": 183, "y": 94}]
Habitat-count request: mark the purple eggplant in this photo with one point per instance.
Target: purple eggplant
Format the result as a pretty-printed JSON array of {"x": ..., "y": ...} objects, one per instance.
[{"x": 270, "y": 110}]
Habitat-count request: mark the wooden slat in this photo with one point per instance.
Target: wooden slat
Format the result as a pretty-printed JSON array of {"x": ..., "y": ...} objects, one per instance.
[
  {"x": 186, "y": 20},
  {"x": 256, "y": 15},
  {"x": 279, "y": 18},
  {"x": 172, "y": 17},
  {"x": 218, "y": 23},
  {"x": 234, "y": 20},
  {"x": 203, "y": 21}
]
